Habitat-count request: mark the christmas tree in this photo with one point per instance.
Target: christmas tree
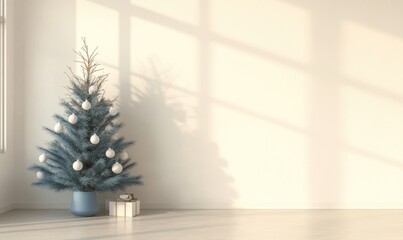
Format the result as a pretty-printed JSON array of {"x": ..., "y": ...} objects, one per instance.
[{"x": 86, "y": 155}]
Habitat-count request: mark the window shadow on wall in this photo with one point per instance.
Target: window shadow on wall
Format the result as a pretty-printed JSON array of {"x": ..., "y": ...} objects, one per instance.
[
  {"x": 332, "y": 114},
  {"x": 182, "y": 168},
  {"x": 181, "y": 165}
]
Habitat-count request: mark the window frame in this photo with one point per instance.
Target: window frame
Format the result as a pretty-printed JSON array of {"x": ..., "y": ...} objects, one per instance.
[{"x": 2, "y": 76}]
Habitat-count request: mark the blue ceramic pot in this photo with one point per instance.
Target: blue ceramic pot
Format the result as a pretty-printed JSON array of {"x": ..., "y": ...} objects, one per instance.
[{"x": 84, "y": 204}]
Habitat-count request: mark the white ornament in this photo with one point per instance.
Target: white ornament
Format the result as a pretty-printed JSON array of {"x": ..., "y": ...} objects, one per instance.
[
  {"x": 113, "y": 111},
  {"x": 115, "y": 137},
  {"x": 86, "y": 105},
  {"x": 77, "y": 165},
  {"x": 42, "y": 158},
  {"x": 58, "y": 127},
  {"x": 110, "y": 153},
  {"x": 40, "y": 175},
  {"x": 94, "y": 139},
  {"x": 92, "y": 89},
  {"x": 73, "y": 118},
  {"x": 123, "y": 155},
  {"x": 117, "y": 168}
]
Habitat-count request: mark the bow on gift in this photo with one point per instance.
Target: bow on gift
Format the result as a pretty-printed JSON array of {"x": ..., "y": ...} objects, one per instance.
[{"x": 129, "y": 197}]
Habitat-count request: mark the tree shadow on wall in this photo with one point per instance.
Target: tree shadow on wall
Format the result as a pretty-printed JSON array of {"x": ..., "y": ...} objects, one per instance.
[{"x": 181, "y": 168}]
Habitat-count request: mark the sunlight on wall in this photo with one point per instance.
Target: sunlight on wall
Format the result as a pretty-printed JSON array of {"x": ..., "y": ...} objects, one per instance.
[
  {"x": 259, "y": 108},
  {"x": 264, "y": 87},
  {"x": 268, "y": 162},
  {"x": 183, "y": 10},
  {"x": 274, "y": 26},
  {"x": 373, "y": 146},
  {"x": 372, "y": 57},
  {"x": 100, "y": 26},
  {"x": 372, "y": 123},
  {"x": 368, "y": 182}
]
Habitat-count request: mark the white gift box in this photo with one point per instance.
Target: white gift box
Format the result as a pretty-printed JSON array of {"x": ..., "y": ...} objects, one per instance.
[{"x": 124, "y": 208}]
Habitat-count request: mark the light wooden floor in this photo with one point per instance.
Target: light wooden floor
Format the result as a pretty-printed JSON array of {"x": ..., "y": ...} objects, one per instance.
[{"x": 207, "y": 224}]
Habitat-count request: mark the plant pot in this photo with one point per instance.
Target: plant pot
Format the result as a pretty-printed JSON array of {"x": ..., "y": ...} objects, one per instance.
[{"x": 84, "y": 204}]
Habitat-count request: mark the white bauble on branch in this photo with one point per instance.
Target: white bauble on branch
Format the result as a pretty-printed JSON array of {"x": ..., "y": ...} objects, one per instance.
[
  {"x": 42, "y": 158},
  {"x": 113, "y": 111},
  {"x": 40, "y": 175},
  {"x": 73, "y": 118},
  {"x": 110, "y": 153},
  {"x": 77, "y": 165},
  {"x": 92, "y": 89},
  {"x": 108, "y": 128},
  {"x": 58, "y": 127},
  {"x": 86, "y": 105},
  {"x": 117, "y": 168},
  {"x": 94, "y": 139},
  {"x": 123, "y": 155}
]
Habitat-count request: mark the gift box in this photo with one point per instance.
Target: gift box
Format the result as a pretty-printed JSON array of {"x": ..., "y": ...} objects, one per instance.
[{"x": 121, "y": 208}]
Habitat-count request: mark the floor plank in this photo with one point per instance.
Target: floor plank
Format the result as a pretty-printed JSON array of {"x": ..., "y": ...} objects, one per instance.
[{"x": 207, "y": 224}]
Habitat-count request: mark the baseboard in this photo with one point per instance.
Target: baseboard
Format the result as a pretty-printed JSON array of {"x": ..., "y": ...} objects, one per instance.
[
  {"x": 6, "y": 208},
  {"x": 59, "y": 206},
  {"x": 42, "y": 206},
  {"x": 216, "y": 206},
  {"x": 270, "y": 206},
  {"x": 185, "y": 206}
]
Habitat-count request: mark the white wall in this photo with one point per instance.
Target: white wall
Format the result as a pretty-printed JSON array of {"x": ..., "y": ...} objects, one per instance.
[
  {"x": 44, "y": 43},
  {"x": 234, "y": 104}
]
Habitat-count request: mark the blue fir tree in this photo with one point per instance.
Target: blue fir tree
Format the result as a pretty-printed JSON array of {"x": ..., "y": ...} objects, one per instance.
[{"x": 86, "y": 155}]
